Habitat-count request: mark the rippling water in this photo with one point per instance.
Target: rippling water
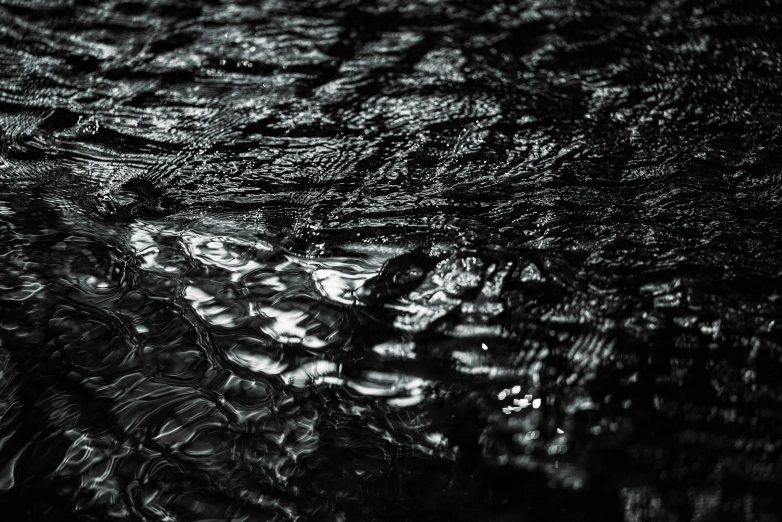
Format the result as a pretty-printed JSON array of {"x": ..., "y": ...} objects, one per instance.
[{"x": 390, "y": 260}]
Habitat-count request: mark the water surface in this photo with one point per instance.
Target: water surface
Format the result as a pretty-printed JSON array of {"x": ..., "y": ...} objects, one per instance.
[{"x": 390, "y": 260}]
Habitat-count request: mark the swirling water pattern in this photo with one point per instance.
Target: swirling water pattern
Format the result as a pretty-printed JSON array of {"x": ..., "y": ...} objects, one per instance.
[{"x": 385, "y": 260}]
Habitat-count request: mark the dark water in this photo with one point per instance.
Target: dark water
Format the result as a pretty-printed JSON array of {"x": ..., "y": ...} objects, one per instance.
[{"x": 390, "y": 260}]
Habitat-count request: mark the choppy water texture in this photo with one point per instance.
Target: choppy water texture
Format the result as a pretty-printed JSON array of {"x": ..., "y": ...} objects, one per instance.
[{"x": 388, "y": 260}]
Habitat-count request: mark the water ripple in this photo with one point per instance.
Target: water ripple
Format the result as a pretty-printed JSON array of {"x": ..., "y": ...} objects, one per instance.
[{"x": 379, "y": 260}]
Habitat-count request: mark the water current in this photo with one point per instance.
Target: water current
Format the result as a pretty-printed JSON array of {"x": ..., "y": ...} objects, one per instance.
[{"x": 390, "y": 260}]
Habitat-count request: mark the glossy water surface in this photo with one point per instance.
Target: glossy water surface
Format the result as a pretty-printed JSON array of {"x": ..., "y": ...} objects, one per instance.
[{"x": 390, "y": 260}]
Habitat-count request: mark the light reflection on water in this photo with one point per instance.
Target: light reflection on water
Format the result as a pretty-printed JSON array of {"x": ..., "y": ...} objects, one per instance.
[
  {"x": 290, "y": 302},
  {"x": 250, "y": 339}
]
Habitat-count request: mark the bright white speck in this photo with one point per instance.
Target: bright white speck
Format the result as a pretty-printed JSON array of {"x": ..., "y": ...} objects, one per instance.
[
  {"x": 502, "y": 395},
  {"x": 516, "y": 389},
  {"x": 484, "y": 347},
  {"x": 560, "y": 431},
  {"x": 536, "y": 403}
]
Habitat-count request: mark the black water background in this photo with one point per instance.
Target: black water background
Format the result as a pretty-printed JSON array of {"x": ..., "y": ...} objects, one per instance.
[{"x": 590, "y": 189}]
